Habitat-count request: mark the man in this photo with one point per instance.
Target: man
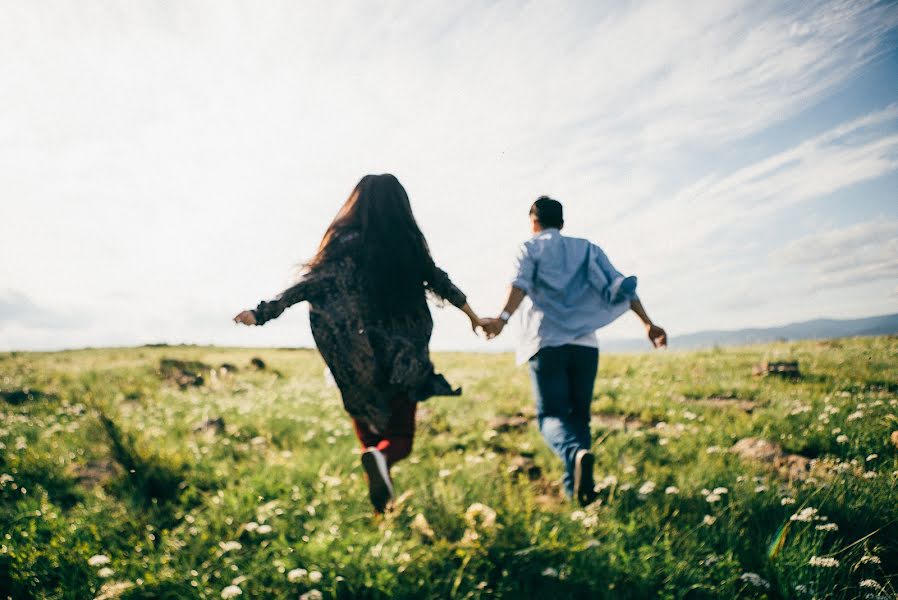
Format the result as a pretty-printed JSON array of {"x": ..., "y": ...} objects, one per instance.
[{"x": 567, "y": 289}]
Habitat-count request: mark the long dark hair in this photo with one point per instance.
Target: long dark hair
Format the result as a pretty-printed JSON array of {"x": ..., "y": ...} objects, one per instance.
[{"x": 377, "y": 225}]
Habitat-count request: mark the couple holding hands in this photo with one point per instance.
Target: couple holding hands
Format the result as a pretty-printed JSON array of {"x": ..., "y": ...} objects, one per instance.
[{"x": 367, "y": 287}]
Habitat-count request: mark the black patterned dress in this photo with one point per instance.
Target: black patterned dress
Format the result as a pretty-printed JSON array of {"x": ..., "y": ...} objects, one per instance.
[{"x": 372, "y": 359}]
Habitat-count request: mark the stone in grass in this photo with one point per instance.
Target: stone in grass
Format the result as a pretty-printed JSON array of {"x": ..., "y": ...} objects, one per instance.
[
  {"x": 792, "y": 466},
  {"x": 212, "y": 424},
  {"x": 182, "y": 372},
  {"x": 786, "y": 368},
  {"x": 257, "y": 363}
]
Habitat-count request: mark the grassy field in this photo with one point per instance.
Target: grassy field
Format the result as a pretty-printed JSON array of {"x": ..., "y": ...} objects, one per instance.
[{"x": 117, "y": 482}]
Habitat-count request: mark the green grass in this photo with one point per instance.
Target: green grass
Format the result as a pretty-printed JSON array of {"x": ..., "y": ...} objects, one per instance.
[{"x": 101, "y": 458}]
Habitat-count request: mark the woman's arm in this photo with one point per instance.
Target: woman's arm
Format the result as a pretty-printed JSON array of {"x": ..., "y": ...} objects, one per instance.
[
  {"x": 442, "y": 286},
  {"x": 305, "y": 289}
]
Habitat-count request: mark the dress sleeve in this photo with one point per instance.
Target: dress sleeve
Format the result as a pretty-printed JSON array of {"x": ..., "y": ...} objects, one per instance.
[
  {"x": 442, "y": 286},
  {"x": 524, "y": 270},
  {"x": 308, "y": 288}
]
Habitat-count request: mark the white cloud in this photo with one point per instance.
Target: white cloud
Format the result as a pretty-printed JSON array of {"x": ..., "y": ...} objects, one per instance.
[{"x": 859, "y": 253}]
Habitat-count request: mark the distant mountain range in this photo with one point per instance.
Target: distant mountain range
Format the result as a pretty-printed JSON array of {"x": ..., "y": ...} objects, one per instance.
[{"x": 806, "y": 330}]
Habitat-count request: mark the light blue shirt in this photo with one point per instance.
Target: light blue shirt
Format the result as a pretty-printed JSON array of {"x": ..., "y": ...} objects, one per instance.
[{"x": 572, "y": 290}]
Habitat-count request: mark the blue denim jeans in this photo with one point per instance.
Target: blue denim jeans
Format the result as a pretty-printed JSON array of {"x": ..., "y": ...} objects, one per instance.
[{"x": 563, "y": 378}]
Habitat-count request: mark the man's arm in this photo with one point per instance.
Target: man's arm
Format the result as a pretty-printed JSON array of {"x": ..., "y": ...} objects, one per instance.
[
  {"x": 657, "y": 335},
  {"x": 494, "y": 327}
]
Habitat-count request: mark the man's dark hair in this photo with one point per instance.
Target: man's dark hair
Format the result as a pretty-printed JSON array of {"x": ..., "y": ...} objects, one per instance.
[{"x": 548, "y": 212}]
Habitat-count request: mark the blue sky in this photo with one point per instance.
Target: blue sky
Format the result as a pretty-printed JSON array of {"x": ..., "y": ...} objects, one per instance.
[{"x": 164, "y": 165}]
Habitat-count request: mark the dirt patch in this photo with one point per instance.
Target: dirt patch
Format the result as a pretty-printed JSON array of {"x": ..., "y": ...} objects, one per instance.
[
  {"x": 183, "y": 373},
  {"x": 765, "y": 452},
  {"x": 24, "y": 395},
  {"x": 614, "y": 422},
  {"x": 96, "y": 473},
  {"x": 211, "y": 425},
  {"x": 726, "y": 403},
  {"x": 524, "y": 466},
  {"x": 510, "y": 423}
]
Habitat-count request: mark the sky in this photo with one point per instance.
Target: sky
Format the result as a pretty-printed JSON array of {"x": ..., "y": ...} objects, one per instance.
[{"x": 164, "y": 165}]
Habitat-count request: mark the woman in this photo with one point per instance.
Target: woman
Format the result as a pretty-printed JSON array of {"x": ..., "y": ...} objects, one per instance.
[{"x": 366, "y": 286}]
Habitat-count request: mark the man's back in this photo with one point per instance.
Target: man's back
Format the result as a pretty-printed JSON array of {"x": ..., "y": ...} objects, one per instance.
[{"x": 572, "y": 290}]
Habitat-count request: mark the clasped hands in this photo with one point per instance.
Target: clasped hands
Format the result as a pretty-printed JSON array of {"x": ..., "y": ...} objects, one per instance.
[{"x": 491, "y": 327}]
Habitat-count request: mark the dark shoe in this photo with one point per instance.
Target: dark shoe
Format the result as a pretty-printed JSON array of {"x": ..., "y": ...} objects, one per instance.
[
  {"x": 380, "y": 487},
  {"x": 584, "y": 485}
]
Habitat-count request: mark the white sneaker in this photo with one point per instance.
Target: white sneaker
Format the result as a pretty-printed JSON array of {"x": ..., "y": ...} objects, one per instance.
[{"x": 380, "y": 487}]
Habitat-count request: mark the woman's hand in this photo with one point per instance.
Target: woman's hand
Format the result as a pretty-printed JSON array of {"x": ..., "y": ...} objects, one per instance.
[
  {"x": 246, "y": 317},
  {"x": 475, "y": 320}
]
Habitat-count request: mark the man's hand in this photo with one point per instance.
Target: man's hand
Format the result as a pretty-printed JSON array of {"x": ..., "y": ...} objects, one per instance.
[
  {"x": 493, "y": 327},
  {"x": 657, "y": 336},
  {"x": 246, "y": 317}
]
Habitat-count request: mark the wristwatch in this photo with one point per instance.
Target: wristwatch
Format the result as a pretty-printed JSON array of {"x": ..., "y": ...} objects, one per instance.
[{"x": 505, "y": 316}]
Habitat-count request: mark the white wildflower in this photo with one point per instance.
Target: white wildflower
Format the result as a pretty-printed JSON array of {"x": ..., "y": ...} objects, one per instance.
[
  {"x": 720, "y": 491},
  {"x": 264, "y": 529},
  {"x": 105, "y": 572},
  {"x": 420, "y": 525},
  {"x": 870, "y": 558},
  {"x": 872, "y": 457},
  {"x": 760, "y": 488},
  {"x": 787, "y": 501},
  {"x": 712, "y": 498},
  {"x": 550, "y": 572},
  {"x": 713, "y": 449},
  {"x": 312, "y": 595},
  {"x": 805, "y": 515},
  {"x": 708, "y": 520},
  {"x": 578, "y": 515},
  {"x": 842, "y": 439},
  {"x": 755, "y": 580},
  {"x": 98, "y": 559},
  {"x": 296, "y": 575},
  {"x": 870, "y": 583},
  {"x": 870, "y": 475},
  {"x": 647, "y": 488},
  {"x": 230, "y": 545},
  {"x": 827, "y": 527},
  {"x": 480, "y": 516},
  {"x": 251, "y": 526},
  {"x": 444, "y": 473},
  {"x": 855, "y": 415},
  {"x": 232, "y": 591},
  {"x": 823, "y": 561},
  {"x": 315, "y": 576},
  {"x": 671, "y": 489}
]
